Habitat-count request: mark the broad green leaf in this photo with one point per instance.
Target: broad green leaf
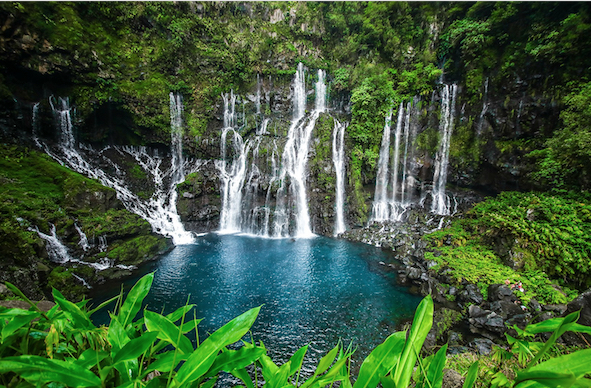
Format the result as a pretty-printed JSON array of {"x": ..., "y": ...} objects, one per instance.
[
  {"x": 243, "y": 375},
  {"x": 90, "y": 358},
  {"x": 565, "y": 326},
  {"x": 326, "y": 361},
  {"x": 117, "y": 336},
  {"x": 167, "y": 331},
  {"x": 550, "y": 325},
  {"x": 297, "y": 359},
  {"x": 43, "y": 370},
  {"x": 80, "y": 319},
  {"x": 234, "y": 359},
  {"x": 190, "y": 325},
  {"x": 210, "y": 383},
  {"x": 133, "y": 302},
  {"x": 435, "y": 372},
  {"x": 204, "y": 356},
  {"x": 279, "y": 379},
  {"x": 178, "y": 313},
  {"x": 22, "y": 296},
  {"x": 471, "y": 376},
  {"x": 17, "y": 322},
  {"x": 268, "y": 367},
  {"x": 380, "y": 361},
  {"x": 102, "y": 305},
  {"x": 548, "y": 378},
  {"x": 577, "y": 363},
  {"x": 166, "y": 362},
  {"x": 422, "y": 322},
  {"x": 134, "y": 348},
  {"x": 334, "y": 374}
]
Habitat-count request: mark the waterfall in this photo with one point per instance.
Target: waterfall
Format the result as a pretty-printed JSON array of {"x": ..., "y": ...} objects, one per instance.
[
  {"x": 441, "y": 203},
  {"x": 295, "y": 157},
  {"x": 103, "y": 243},
  {"x": 338, "y": 159},
  {"x": 83, "y": 240},
  {"x": 380, "y": 204},
  {"x": 320, "y": 102},
  {"x": 232, "y": 174},
  {"x": 401, "y": 177},
  {"x": 160, "y": 210},
  {"x": 396, "y": 159},
  {"x": 63, "y": 116},
  {"x": 55, "y": 249}
]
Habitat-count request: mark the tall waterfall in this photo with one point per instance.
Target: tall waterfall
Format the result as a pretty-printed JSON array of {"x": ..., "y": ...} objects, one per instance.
[
  {"x": 232, "y": 173},
  {"x": 380, "y": 211},
  {"x": 160, "y": 210},
  {"x": 295, "y": 158},
  {"x": 338, "y": 159},
  {"x": 441, "y": 202},
  {"x": 391, "y": 205}
]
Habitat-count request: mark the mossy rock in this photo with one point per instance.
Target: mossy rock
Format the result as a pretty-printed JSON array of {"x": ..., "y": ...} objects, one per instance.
[{"x": 139, "y": 249}]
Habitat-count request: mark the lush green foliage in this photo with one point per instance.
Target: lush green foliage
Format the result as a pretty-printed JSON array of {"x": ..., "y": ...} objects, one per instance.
[
  {"x": 62, "y": 347},
  {"x": 542, "y": 236},
  {"x": 566, "y": 160}
]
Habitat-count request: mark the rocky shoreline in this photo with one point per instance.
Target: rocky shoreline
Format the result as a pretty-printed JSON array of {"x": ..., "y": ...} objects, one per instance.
[{"x": 463, "y": 318}]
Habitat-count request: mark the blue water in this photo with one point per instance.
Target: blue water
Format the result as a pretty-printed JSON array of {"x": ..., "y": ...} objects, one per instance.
[{"x": 313, "y": 291}]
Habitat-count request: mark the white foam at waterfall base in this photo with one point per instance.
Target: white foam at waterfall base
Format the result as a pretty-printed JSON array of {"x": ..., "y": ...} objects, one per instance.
[
  {"x": 441, "y": 202},
  {"x": 338, "y": 158}
]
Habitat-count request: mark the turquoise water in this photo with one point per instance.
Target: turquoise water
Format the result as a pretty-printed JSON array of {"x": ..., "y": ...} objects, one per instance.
[{"x": 313, "y": 291}]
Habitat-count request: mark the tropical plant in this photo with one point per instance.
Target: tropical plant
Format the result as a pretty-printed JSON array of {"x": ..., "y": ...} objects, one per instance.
[{"x": 63, "y": 348}]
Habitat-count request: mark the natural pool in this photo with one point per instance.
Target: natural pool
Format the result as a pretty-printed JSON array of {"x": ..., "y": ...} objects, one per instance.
[{"x": 313, "y": 291}]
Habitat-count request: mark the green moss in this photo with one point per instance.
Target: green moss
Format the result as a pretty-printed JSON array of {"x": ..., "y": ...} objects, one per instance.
[
  {"x": 545, "y": 236},
  {"x": 137, "y": 250},
  {"x": 62, "y": 279}
]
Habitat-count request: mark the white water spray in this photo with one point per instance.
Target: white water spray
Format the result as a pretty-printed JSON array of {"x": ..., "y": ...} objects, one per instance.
[
  {"x": 441, "y": 203},
  {"x": 338, "y": 159},
  {"x": 160, "y": 210},
  {"x": 380, "y": 210}
]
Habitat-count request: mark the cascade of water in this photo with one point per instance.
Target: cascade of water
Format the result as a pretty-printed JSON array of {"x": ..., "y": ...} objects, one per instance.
[
  {"x": 407, "y": 125},
  {"x": 83, "y": 240},
  {"x": 320, "y": 102},
  {"x": 484, "y": 108},
  {"x": 338, "y": 159},
  {"x": 295, "y": 157},
  {"x": 232, "y": 174},
  {"x": 380, "y": 205},
  {"x": 81, "y": 280},
  {"x": 160, "y": 211},
  {"x": 103, "y": 243},
  {"x": 396, "y": 156},
  {"x": 63, "y": 116},
  {"x": 440, "y": 204},
  {"x": 410, "y": 165},
  {"x": 55, "y": 249}
]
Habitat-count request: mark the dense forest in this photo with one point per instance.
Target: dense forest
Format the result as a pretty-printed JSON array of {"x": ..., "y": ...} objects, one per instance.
[{"x": 486, "y": 103}]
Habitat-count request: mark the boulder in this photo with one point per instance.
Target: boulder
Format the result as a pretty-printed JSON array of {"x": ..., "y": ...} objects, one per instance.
[
  {"x": 452, "y": 379},
  {"x": 499, "y": 292}
]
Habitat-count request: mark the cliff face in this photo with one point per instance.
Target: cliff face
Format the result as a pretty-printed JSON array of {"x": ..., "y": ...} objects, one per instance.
[{"x": 517, "y": 69}]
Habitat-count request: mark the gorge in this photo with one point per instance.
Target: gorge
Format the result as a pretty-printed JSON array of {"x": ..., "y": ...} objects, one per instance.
[{"x": 452, "y": 136}]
